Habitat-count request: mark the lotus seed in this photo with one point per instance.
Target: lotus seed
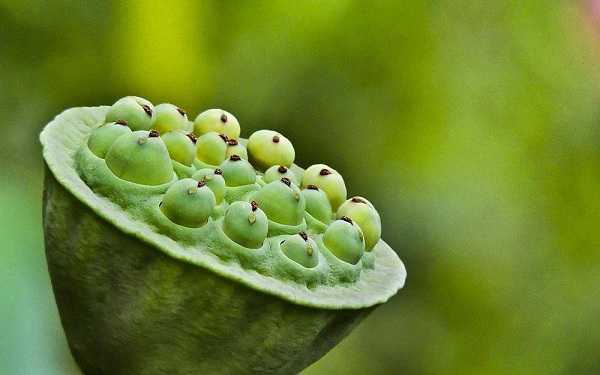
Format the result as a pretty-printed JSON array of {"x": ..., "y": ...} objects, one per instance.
[
  {"x": 103, "y": 137},
  {"x": 136, "y": 111},
  {"x": 317, "y": 204},
  {"x": 364, "y": 214},
  {"x": 168, "y": 117},
  {"x": 345, "y": 240},
  {"x": 246, "y": 224},
  {"x": 301, "y": 249},
  {"x": 237, "y": 171},
  {"x": 219, "y": 121},
  {"x": 328, "y": 180},
  {"x": 188, "y": 203},
  {"x": 236, "y": 148},
  {"x": 140, "y": 157},
  {"x": 181, "y": 147},
  {"x": 282, "y": 202},
  {"x": 214, "y": 180},
  {"x": 267, "y": 148},
  {"x": 277, "y": 172},
  {"x": 211, "y": 148}
]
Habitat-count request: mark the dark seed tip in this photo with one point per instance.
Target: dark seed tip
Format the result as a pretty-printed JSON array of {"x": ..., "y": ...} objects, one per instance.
[
  {"x": 324, "y": 172},
  {"x": 303, "y": 235},
  {"x": 232, "y": 142},
  {"x": 153, "y": 133},
  {"x": 147, "y": 109},
  {"x": 223, "y": 118},
  {"x": 224, "y": 137},
  {"x": 275, "y": 139},
  {"x": 192, "y": 137},
  {"x": 312, "y": 187},
  {"x": 281, "y": 169},
  {"x": 358, "y": 200},
  {"x": 235, "y": 157},
  {"x": 219, "y": 171},
  {"x": 286, "y": 181},
  {"x": 254, "y": 205},
  {"x": 346, "y": 219},
  {"x": 201, "y": 183},
  {"x": 181, "y": 111}
]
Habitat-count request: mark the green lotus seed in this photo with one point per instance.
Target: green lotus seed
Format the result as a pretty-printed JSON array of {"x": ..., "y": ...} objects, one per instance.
[
  {"x": 188, "y": 203},
  {"x": 364, "y": 214},
  {"x": 168, "y": 117},
  {"x": 301, "y": 249},
  {"x": 140, "y": 157},
  {"x": 213, "y": 178},
  {"x": 219, "y": 121},
  {"x": 237, "y": 171},
  {"x": 211, "y": 148},
  {"x": 317, "y": 204},
  {"x": 345, "y": 240},
  {"x": 267, "y": 148},
  {"x": 282, "y": 201},
  {"x": 328, "y": 180},
  {"x": 182, "y": 147},
  {"x": 103, "y": 137},
  {"x": 246, "y": 224},
  {"x": 236, "y": 148},
  {"x": 137, "y": 112},
  {"x": 277, "y": 172}
]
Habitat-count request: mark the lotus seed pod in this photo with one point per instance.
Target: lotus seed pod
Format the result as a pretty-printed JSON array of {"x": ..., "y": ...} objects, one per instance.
[
  {"x": 188, "y": 203},
  {"x": 213, "y": 178},
  {"x": 211, "y": 148},
  {"x": 137, "y": 112},
  {"x": 301, "y": 249},
  {"x": 267, "y": 148},
  {"x": 364, "y": 214},
  {"x": 328, "y": 180},
  {"x": 140, "y": 157},
  {"x": 277, "y": 172},
  {"x": 236, "y": 148},
  {"x": 317, "y": 204},
  {"x": 219, "y": 121},
  {"x": 246, "y": 224},
  {"x": 238, "y": 172},
  {"x": 182, "y": 147},
  {"x": 103, "y": 137},
  {"x": 168, "y": 117},
  {"x": 345, "y": 240},
  {"x": 282, "y": 201}
]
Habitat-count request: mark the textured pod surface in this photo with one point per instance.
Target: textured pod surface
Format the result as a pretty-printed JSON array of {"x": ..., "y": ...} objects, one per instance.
[{"x": 133, "y": 300}]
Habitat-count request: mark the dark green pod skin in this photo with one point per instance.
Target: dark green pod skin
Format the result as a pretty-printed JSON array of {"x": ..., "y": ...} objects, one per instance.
[{"x": 133, "y": 301}]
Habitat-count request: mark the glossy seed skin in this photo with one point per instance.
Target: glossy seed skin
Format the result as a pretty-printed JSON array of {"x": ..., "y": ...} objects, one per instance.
[
  {"x": 237, "y": 171},
  {"x": 301, "y": 249},
  {"x": 364, "y": 214},
  {"x": 246, "y": 224},
  {"x": 214, "y": 181},
  {"x": 267, "y": 148},
  {"x": 181, "y": 148},
  {"x": 218, "y": 121},
  {"x": 317, "y": 204},
  {"x": 188, "y": 203},
  {"x": 345, "y": 240},
  {"x": 328, "y": 180},
  {"x": 211, "y": 148},
  {"x": 104, "y": 136},
  {"x": 137, "y": 112},
  {"x": 282, "y": 203},
  {"x": 168, "y": 117}
]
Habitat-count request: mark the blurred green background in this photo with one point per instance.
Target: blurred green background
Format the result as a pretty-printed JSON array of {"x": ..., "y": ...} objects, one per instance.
[{"x": 474, "y": 127}]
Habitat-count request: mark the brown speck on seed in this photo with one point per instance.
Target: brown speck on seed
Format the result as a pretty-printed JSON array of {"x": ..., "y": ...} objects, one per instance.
[
  {"x": 303, "y": 235},
  {"x": 192, "y": 137},
  {"x": 235, "y": 157},
  {"x": 219, "y": 171},
  {"x": 147, "y": 109},
  {"x": 286, "y": 181},
  {"x": 181, "y": 111},
  {"x": 224, "y": 137},
  {"x": 281, "y": 169},
  {"x": 223, "y": 118},
  {"x": 201, "y": 183},
  {"x": 232, "y": 142},
  {"x": 325, "y": 172},
  {"x": 282, "y": 242},
  {"x": 160, "y": 204},
  {"x": 346, "y": 219},
  {"x": 275, "y": 139},
  {"x": 154, "y": 133},
  {"x": 358, "y": 200},
  {"x": 121, "y": 122},
  {"x": 254, "y": 205},
  {"x": 312, "y": 187}
]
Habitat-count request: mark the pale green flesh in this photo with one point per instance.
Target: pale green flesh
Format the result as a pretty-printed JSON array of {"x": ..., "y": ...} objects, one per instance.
[{"x": 342, "y": 286}]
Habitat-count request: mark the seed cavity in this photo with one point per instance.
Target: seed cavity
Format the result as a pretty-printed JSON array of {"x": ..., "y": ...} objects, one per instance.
[
  {"x": 347, "y": 219},
  {"x": 121, "y": 122},
  {"x": 275, "y": 139},
  {"x": 232, "y": 142},
  {"x": 154, "y": 133},
  {"x": 192, "y": 137},
  {"x": 224, "y": 137},
  {"x": 282, "y": 169},
  {"x": 303, "y": 235},
  {"x": 235, "y": 157},
  {"x": 223, "y": 118},
  {"x": 325, "y": 172},
  {"x": 181, "y": 111},
  {"x": 254, "y": 205},
  {"x": 286, "y": 181},
  {"x": 147, "y": 109},
  {"x": 358, "y": 200},
  {"x": 312, "y": 187},
  {"x": 219, "y": 171}
]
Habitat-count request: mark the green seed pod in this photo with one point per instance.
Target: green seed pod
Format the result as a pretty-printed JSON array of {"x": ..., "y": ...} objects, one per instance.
[
  {"x": 301, "y": 249},
  {"x": 364, "y": 214},
  {"x": 182, "y": 147},
  {"x": 236, "y": 148},
  {"x": 104, "y": 136},
  {"x": 213, "y": 178},
  {"x": 188, "y": 203},
  {"x": 140, "y": 157},
  {"x": 267, "y": 148},
  {"x": 328, "y": 180},
  {"x": 345, "y": 240},
  {"x": 246, "y": 224},
  {"x": 168, "y": 117},
  {"x": 137, "y": 112},
  {"x": 238, "y": 172},
  {"x": 317, "y": 204},
  {"x": 282, "y": 201},
  {"x": 277, "y": 172},
  {"x": 211, "y": 148},
  {"x": 219, "y": 121}
]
